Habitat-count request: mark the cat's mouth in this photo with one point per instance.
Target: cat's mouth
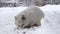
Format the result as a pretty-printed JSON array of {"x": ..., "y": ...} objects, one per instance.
[{"x": 28, "y": 26}]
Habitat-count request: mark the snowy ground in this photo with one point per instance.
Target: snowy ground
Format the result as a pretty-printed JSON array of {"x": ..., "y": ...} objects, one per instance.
[{"x": 50, "y": 23}]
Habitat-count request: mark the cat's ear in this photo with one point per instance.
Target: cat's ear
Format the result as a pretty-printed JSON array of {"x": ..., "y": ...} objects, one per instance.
[{"x": 15, "y": 18}]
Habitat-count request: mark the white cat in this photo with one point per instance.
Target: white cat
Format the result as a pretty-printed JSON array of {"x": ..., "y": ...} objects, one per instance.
[{"x": 29, "y": 17}]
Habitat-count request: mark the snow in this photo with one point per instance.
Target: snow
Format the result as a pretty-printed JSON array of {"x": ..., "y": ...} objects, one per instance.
[{"x": 50, "y": 23}]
